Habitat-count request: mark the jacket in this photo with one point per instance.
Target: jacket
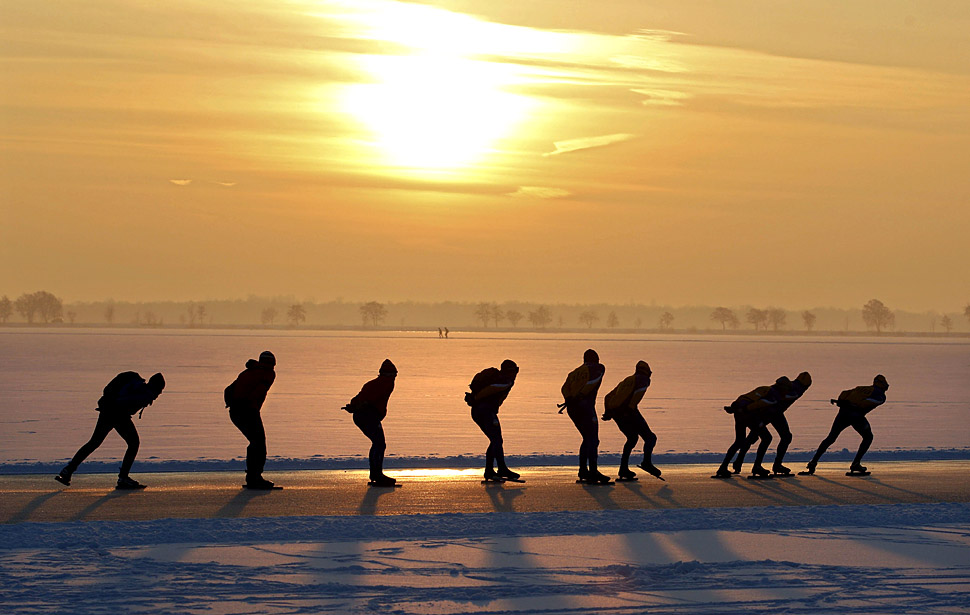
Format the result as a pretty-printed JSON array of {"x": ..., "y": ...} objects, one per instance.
[
  {"x": 248, "y": 391},
  {"x": 371, "y": 402}
]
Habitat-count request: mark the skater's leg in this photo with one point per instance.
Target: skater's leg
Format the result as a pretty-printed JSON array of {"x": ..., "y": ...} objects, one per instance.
[
  {"x": 838, "y": 426},
  {"x": 375, "y": 433},
  {"x": 740, "y": 433},
  {"x": 591, "y": 441},
  {"x": 861, "y": 425},
  {"x": 632, "y": 437},
  {"x": 490, "y": 426},
  {"x": 101, "y": 431},
  {"x": 578, "y": 419},
  {"x": 765, "y": 437},
  {"x": 784, "y": 439},
  {"x": 126, "y": 429},
  {"x": 750, "y": 439},
  {"x": 251, "y": 426}
]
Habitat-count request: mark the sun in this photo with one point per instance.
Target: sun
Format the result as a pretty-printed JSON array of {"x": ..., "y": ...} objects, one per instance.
[{"x": 439, "y": 108}]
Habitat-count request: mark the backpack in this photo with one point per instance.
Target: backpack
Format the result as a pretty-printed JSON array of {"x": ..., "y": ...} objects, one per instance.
[
  {"x": 480, "y": 382},
  {"x": 114, "y": 389},
  {"x": 575, "y": 382}
]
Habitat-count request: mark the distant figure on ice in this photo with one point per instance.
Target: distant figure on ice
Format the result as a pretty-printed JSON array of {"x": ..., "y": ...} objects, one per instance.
[
  {"x": 369, "y": 408},
  {"x": 446, "y": 332},
  {"x": 579, "y": 395},
  {"x": 244, "y": 398},
  {"x": 440, "y": 333},
  {"x": 621, "y": 407},
  {"x": 775, "y": 416},
  {"x": 854, "y": 405},
  {"x": 751, "y": 411},
  {"x": 489, "y": 388},
  {"x": 126, "y": 394}
]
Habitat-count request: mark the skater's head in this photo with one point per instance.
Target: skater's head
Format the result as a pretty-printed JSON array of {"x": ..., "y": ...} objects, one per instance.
[
  {"x": 267, "y": 359},
  {"x": 881, "y": 382},
  {"x": 387, "y": 368},
  {"x": 156, "y": 383},
  {"x": 643, "y": 368},
  {"x": 509, "y": 368},
  {"x": 591, "y": 357},
  {"x": 804, "y": 380},
  {"x": 783, "y": 385}
]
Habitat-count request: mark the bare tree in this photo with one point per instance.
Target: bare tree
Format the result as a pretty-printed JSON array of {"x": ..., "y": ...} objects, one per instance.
[
  {"x": 6, "y": 309},
  {"x": 268, "y": 315},
  {"x": 947, "y": 323},
  {"x": 877, "y": 316},
  {"x": 966, "y": 312},
  {"x": 71, "y": 316},
  {"x": 109, "y": 313},
  {"x": 374, "y": 312},
  {"x": 638, "y": 323},
  {"x": 514, "y": 316},
  {"x": 612, "y": 321},
  {"x": 191, "y": 314},
  {"x": 724, "y": 316},
  {"x": 588, "y": 317},
  {"x": 484, "y": 313},
  {"x": 777, "y": 317},
  {"x": 809, "y": 319},
  {"x": 541, "y": 317},
  {"x": 296, "y": 315},
  {"x": 758, "y": 318},
  {"x": 40, "y": 304},
  {"x": 200, "y": 311},
  {"x": 666, "y": 319},
  {"x": 498, "y": 315}
]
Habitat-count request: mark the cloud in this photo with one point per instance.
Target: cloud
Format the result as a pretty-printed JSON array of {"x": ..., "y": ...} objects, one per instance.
[
  {"x": 181, "y": 182},
  {"x": 226, "y": 184},
  {"x": 539, "y": 192},
  {"x": 573, "y": 145},
  {"x": 663, "y": 98}
]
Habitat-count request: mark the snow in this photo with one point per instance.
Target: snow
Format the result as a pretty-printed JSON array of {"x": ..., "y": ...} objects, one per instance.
[{"x": 888, "y": 559}]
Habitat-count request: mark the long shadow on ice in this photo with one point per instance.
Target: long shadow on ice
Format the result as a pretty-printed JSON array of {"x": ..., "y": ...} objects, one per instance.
[
  {"x": 368, "y": 504},
  {"x": 502, "y": 496},
  {"x": 235, "y": 506},
  {"x": 93, "y": 506},
  {"x": 25, "y": 513}
]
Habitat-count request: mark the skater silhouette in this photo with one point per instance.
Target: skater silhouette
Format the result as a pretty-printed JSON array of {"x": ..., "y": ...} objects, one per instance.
[
  {"x": 126, "y": 394},
  {"x": 854, "y": 405},
  {"x": 579, "y": 395},
  {"x": 621, "y": 407},
  {"x": 750, "y": 411},
  {"x": 489, "y": 389},
  {"x": 369, "y": 408},
  {"x": 775, "y": 416},
  {"x": 244, "y": 398}
]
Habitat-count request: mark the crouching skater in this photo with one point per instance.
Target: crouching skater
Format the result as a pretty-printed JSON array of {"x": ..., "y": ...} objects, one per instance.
[
  {"x": 621, "y": 406},
  {"x": 751, "y": 411},
  {"x": 369, "y": 408}
]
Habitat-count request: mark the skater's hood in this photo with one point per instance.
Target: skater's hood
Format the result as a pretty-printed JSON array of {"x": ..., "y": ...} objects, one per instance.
[
  {"x": 881, "y": 382},
  {"x": 590, "y": 356},
  {"x": 387, "y": 368},
  {"x": 804, "y": 379},
  {"x": 643, "y": 368},
  {"x": 782, "y": 385},
  {"x": 255, "y": 364}
]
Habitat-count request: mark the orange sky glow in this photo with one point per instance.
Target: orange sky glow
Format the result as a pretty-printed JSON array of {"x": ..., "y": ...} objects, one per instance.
[{"x": 691, "y": 152}]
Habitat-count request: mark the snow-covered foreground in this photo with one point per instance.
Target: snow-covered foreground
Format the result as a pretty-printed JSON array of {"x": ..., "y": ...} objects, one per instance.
[{"x": 848, "y": 559}]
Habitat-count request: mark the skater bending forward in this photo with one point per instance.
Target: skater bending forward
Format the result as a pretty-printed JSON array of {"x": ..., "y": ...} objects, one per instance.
[
  {"x": 751, "y": 411},
  {"x": 369, "y": 408},
  {"x": 579, "y": 395},
  {"x": 126, "y": 394},
  {"x": 489, "y": 388},
  {"x": 244, "y": 398},
  {"x": 854, "y": 405},
  {"x": 776, "y": 418},
  {"x": 621, "y": 407}
]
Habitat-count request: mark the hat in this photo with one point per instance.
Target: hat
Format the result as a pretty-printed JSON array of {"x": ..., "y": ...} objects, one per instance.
[
  {"x": 388, "y": 368},
  {"x": 783, "y": 383},
  {"x": 804, "y": 379},
  {"x": 643, "y": 368},
  {"x": 509, "y": 364},
  {"x": 157, "y": 381},
  {"x": 590, "y": 356},
  {"x": 881, "y": 382},
  {"x": 267, "y": 358}
]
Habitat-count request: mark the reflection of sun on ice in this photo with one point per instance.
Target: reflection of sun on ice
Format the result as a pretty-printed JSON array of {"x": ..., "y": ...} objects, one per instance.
[
  {"x": 434, "y": 113},
  {"x": 436, "y": 109}
]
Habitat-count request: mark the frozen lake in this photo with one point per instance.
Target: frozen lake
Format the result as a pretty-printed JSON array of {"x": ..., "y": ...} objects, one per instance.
[{"x": 51, "y": 379}]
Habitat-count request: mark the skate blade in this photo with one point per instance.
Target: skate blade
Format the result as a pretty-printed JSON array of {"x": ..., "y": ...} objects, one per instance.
[
  {"x": 371, "y": 483},
  {"x": 139, "y": 487},
  {"x": 593, "y": 482},
  {"x": 723, "y": 477},
  {"x": 273, "y": 488},
  {"x": 806, "y": 473},
  {"x": 858, "y": 473},
  {"x": 628, "y": 480}
]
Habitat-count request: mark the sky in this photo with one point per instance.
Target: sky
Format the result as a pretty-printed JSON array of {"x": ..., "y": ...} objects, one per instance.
[{"x": 692, "y": 152}]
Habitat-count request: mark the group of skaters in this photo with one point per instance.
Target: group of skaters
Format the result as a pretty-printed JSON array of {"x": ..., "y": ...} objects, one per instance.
[{"x": 128, "y": 394}]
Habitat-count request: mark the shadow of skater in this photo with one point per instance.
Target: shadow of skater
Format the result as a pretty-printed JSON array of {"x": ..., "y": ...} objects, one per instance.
[
  {"x": 93, "y": 506},
  {"x": 369, "y": 408},
  {"x": 24, "y": 513},
  {"x": 238, "y": 503},
  {"x": 126, "y": 394},
  {"x": 244, "y": 398},
  {"x": 503, "y": 497},
  {"x": 371, "y": 499}
]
